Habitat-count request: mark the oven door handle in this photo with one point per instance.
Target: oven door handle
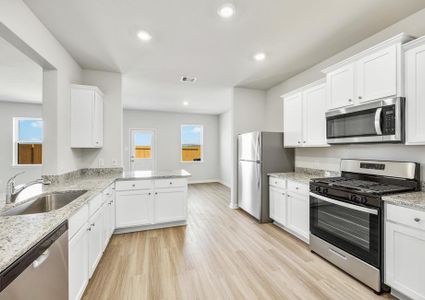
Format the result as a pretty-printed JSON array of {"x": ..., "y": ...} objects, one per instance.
[
  {"x": 347, "y": 205},
  {"x": 378, "y": 114}
]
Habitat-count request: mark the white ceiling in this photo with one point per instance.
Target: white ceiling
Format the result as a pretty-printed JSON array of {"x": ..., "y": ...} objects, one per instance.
[
  {"x": 20, "y": 77},
  {"x": 190, "y": 39}
]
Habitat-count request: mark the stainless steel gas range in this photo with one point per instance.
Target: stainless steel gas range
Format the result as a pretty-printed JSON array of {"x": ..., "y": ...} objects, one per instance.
[{"x": 346, "y": 215}]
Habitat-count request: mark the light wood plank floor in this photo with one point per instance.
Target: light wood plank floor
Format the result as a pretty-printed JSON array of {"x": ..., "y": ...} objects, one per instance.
[{"x": 221, "y": 254}]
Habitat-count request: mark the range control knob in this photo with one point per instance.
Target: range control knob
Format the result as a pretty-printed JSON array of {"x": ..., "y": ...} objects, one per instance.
[
  {"x": 318, "y": 189},
  {"x": 355, "y": 198},
  {"x": 324, "y": 190},
  {"x": 363, "y": 200}
]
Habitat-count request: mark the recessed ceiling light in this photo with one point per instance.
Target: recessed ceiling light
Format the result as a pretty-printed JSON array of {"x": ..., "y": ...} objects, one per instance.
[
  {"x": 226, "y": 10},
  {"x": 185, "y": 103},
  {"x": 144, "y": 35},
  {"x": 260, "y": 56}
]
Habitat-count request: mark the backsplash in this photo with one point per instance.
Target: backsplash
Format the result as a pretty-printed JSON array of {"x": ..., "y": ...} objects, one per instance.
[{"x": 55, "y": 179}]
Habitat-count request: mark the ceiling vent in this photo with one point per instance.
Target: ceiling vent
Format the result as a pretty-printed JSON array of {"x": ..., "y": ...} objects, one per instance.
[{"x": 188, "y": 79}]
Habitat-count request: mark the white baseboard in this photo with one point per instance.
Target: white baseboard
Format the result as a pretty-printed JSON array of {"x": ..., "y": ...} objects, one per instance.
[
  {"x": 225, "y": 184},
  {"x": 203, "y": 181},
  {"x": 149, "y": 227}
]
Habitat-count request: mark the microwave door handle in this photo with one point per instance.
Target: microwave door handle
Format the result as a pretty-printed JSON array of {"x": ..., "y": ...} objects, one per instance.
[{"x": 378, "y": 114}]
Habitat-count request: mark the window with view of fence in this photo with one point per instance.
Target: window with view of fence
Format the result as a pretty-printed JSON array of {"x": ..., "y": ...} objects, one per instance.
[
  {"x": 28, "y": 141},
  {"x": 191, "y": 143}
]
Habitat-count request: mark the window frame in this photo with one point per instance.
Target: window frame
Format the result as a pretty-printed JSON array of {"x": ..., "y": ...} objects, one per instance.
[
  {"x": 15, "y": 141},
  {"x": 202, "y": 145}
]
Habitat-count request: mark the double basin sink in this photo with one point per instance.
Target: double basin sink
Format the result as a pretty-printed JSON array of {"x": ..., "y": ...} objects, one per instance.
[{"x": 44, "y": 203}]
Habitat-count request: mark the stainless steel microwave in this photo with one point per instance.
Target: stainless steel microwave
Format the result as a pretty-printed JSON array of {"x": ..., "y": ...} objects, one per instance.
[{"x": 377, "y": 122}]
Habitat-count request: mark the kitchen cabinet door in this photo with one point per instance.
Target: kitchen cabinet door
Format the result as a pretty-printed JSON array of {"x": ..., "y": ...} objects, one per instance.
[
  {"x": 314, "y": 118},
  {"x": 78, "y": 263},
  {"x": 299, "y": 214},
  {"x": 170, "y": 205},
  {"x": 415, "y": 95},
  {"x": 340, "y": 87},
  {"x": 405, "y": 260},
  {"x": 292, "y": 120},
  {"x": 98, "y": 120},
  {"x": 86, "y": 117},
  {"x": 95, "y": 240},
  {"x": 111, "y": 213},
  {"x": 278, "y": 205},
  {"x": 377, "y": 75},
  {"x": 133, "y": 208},
  {"x": 105, "y": 225}
]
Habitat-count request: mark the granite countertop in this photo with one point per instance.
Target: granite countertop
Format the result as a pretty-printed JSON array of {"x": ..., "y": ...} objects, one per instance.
[
  {"x": 303, "y": 178},
  {"x": 19, "y": 233},
  {"x": 415, "y": 200}
]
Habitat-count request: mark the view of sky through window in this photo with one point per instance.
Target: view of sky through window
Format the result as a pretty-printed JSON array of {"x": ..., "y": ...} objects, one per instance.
[
  {"x": 191, "y": 135},
  {"x": 143, "y": 138},
  {"x": 30, "y": 131}
]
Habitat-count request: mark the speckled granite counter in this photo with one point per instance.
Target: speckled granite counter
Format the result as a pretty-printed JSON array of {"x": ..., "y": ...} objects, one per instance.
[
  {"x": 301, "y": 177},
  {"x": 19, "y": 233},
  {"x": 414, "y": 200}
]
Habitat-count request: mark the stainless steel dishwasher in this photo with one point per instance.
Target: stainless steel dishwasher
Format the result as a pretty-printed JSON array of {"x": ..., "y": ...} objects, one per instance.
[{"x": 41, "y": 273}]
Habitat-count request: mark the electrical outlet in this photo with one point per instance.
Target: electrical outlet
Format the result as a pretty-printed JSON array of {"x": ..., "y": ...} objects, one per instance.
[
  {"x": 114, "y": 162},
  {"x": 101, "y": 162}
]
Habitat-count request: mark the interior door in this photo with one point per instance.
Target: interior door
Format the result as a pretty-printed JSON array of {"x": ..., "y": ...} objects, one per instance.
[{"x": 142, "y": 151}]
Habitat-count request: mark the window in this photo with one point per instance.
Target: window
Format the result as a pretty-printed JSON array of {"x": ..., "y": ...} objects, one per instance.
[
  {"x": 28, "y": 141},
  {"x": 192, "y": 143},
  {"x": 142, "y": 141}
]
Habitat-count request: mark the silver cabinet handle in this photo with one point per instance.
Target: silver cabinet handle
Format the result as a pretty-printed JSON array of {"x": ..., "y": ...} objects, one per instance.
[
  {"x": 89, "y": 229},
  {"x": 417, "y": 220},
  {"x": 350, "y": 100},
  {"x": 133, "y": 185},
  {"x": 171, "y": 182},
  {"x": 360, "y": 97},
  {"x": 92, "y": 224},
  {"x": 149, "y": 194}
]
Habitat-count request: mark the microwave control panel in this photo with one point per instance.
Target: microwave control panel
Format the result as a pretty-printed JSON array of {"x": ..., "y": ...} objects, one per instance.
[{"x": 388, "y": 118}]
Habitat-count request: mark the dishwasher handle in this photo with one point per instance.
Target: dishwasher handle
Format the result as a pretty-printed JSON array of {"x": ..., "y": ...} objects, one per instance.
[{"x": 41, "y": 259}]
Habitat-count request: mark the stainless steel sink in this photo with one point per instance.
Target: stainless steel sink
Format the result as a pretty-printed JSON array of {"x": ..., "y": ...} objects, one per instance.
[{"x": 44, "y": 203}]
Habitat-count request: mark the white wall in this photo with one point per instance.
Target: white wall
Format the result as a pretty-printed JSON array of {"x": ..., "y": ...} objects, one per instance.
[
  {"x": 328, "y": 158},
  {"x": 111, "y": 152},
  {"x": 225, "y": 130},
  {"x": 168, "y": 153},
  {"x": 248, "y": 114},
  {"x": 8, "y": 111}
]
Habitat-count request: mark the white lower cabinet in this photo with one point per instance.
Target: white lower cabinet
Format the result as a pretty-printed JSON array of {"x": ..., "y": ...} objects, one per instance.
[
  {"x": 170, "y": 205},
  {"x": 90, "y": 229},
  {"x": 78, "y": 263},
  {"x": 95, "y": 239},
  {"x": 278, "y": 205},
  {"x": 405, "y": 251},
  {"x": 298, "y": 214},
  {"x": 290, "y": 207},
  {"x": 134, "y": 208},
  {"x": 155, "y": 202}
]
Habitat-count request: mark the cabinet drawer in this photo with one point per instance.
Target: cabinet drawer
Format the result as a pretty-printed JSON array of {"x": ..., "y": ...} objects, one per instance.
[
  {"x": 297, "y": 187},
  {"x": 172, "y": 182},
  {"x": 406, "y": 216},
  {"x": 277, "y": 182},
  {"x": 129, "y": 185},
  {"x": 77, "y": 220},
  {"x": 95, "y": 204}
]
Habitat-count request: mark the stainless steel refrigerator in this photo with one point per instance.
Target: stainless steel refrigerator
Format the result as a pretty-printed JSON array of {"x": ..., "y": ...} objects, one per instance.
[{"x": 260, "y": 153}]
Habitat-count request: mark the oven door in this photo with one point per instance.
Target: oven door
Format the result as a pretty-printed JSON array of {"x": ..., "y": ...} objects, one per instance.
[
  {"x": 352, "y": 228},
  {"x": 368, "y": 123}
]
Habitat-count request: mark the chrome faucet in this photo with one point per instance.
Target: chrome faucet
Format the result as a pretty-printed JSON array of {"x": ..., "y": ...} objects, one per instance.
[{"x": 12, "y": 191}]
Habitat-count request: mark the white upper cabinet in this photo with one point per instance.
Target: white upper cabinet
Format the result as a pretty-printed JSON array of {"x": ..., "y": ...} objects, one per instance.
[
  {"x": 415, "y": 91},
  {"x": 340, "y": 87},
  {"x": 314, "y": 119},
  {"x": 373, "y": 74},
  {"x": 86, "y": 117},
  {"x": 377, "y": 75},
  {"x": 292, "y": 120},
  {"x": 304, "y": 118}
]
